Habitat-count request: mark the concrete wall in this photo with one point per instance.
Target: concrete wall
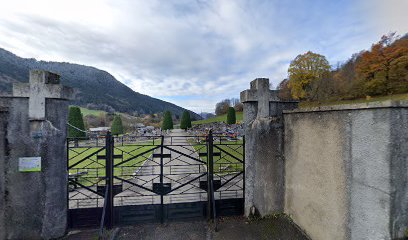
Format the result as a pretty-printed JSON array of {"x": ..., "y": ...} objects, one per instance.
[
  {"x": 34, "y": 204},
  {"x": 264, "y": 180},
  {"x": 346, "y": 170},
  {"x": 3, "y": 132}
]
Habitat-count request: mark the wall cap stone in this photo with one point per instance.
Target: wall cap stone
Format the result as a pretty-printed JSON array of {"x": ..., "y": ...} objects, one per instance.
[{"x": 355, "y": 106}]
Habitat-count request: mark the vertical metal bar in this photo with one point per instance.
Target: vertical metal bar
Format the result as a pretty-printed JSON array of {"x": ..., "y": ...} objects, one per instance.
[
  {"x": 161, "y": 181},
  {"x": 103, "y": 214},
  {"x": 109, "y": 179},
  {"x": 210, "y": 172},
  {"x": 69, "y": 224},
  {"x": 213, "y": 206},
  {"x": 243, "y": 167}
]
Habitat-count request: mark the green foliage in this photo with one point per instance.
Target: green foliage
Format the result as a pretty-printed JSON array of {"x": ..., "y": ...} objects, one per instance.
[
  {"x": 185, "y": 120},
  {"x": 75, "y": 119},
  {"x": 117, "y": 126},
  {"x": 167, "y": 121},
  {"x": 231, "y": 116}
]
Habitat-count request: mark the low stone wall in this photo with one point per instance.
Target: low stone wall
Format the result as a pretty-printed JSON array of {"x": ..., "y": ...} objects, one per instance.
[{"x": 346, "y": 170}]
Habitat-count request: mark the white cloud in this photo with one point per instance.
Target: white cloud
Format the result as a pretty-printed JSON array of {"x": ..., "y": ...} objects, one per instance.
[{"x": 388, "y": 16}]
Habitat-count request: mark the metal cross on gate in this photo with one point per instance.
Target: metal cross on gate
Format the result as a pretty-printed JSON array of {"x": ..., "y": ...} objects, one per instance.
[{"x": 42, "y": 85}]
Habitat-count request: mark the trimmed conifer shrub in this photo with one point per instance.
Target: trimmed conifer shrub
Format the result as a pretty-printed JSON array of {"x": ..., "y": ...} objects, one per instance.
[
  {"x": 231, "y": 116},
  {"x": 185, "y": 120},
  {"x": 167, "y": 121},
  {"x": 76, "y": 127},
  {"x": 117, "y": 126}
]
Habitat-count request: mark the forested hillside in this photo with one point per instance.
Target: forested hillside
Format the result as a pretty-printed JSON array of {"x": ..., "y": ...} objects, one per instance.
[
  {"x": 96, "y": 89},
  {"x": 380, "y": 71}
]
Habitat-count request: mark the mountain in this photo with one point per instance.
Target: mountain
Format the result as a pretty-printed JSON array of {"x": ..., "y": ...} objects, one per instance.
[
  {"x": 95, "y": 88},
  {"x": 206, "y": 115}
]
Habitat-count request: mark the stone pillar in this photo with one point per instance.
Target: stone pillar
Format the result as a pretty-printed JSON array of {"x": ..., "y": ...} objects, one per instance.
[
  {"x": 33, "y": 199},
  {"x": 264, "y": 161}
]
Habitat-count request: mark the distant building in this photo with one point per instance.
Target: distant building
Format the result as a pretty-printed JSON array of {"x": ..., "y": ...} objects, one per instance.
[{"x": 99, "y": 130}]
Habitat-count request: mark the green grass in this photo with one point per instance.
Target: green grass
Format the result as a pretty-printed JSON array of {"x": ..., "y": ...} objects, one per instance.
[
  {"x": 226, "y": 163},
  {"x": 86, "y": 111},
  {"x": 221, "y": 118},
  {"x": 95, "y": 167},
  {"x": 395, "y": 97}
]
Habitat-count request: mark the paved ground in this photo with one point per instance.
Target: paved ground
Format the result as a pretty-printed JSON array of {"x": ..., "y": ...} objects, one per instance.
[
  {"x": 177, "y": 170},
  {"x": 278, "y": 228}
]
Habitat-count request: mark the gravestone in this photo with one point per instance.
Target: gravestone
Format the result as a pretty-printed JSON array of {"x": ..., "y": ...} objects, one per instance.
[
  {"x": 33, "y": 175},
  {"x": 264, "y": 161}
]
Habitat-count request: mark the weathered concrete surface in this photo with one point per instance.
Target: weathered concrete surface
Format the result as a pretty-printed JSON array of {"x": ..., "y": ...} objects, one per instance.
[
  {"x": 3, "y": 132},
  {"x": 316, "y": 186},
  {"x": 279, "y": 228},
  {"x": 264, "y": 165},
  {"x": 346, "y": 170},
  {"x": 34, "y": 203},
  {"x": 399, "y": 171}
]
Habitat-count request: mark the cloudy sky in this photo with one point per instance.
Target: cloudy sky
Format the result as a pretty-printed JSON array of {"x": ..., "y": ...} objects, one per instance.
[{"x": 195, "y": 52}]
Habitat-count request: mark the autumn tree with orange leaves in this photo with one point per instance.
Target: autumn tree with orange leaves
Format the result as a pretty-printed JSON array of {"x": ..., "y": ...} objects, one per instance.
[{"x": 382, "y": 70}]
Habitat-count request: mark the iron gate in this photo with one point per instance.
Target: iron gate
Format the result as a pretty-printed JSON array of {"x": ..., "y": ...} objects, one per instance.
[{"x": 154, "y": 179}]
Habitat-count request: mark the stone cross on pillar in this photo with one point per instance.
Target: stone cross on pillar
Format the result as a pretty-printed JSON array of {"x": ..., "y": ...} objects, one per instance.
[
  {"x": 33, "y": 169},
  {"x": 264, "y": 164},
  {"x": 260, "y": 92},
  {"x": 41, "y": 85}
]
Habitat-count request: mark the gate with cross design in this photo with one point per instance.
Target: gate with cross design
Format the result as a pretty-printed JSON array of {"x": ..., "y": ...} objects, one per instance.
[{"x": 128, "y": 180}]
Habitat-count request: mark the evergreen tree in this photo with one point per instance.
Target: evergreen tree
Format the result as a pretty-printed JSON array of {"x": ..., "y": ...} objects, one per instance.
[
  {"x": 117, "y": 126},
  {"x": 231, "y": 118},
  {"x": 167, "y": 121},
  {"x": 76, "y": 121},
  {"x": 185, "y": 120}
]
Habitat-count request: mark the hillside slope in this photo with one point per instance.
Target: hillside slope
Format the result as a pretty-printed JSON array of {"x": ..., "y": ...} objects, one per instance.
[
  {"x": 220, "y": 118},
  {"x": 95, "y": 88}
]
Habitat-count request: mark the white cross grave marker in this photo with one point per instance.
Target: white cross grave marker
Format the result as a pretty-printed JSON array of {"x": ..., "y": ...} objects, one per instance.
[
  {"x": 42, "y": 85},
  {"x": 260, "y": 92}
]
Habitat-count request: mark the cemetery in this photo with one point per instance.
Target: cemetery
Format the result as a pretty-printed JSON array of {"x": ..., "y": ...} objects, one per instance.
[
  {"x": 204, "y": 120},
  {"x": 343, "y": 166}
]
